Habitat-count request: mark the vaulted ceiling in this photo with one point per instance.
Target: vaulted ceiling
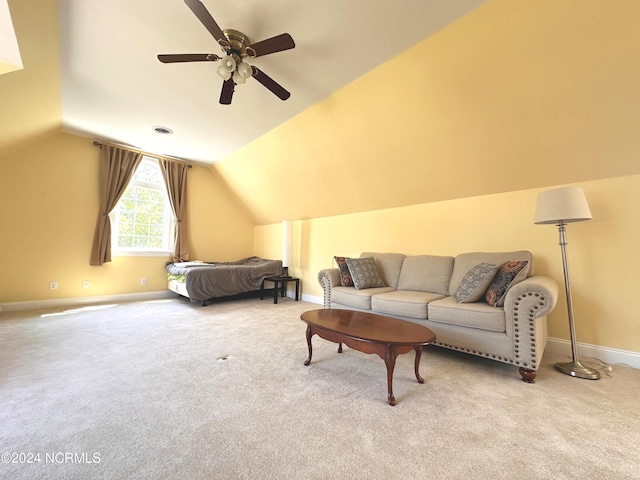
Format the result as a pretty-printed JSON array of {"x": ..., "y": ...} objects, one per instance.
[{"x": 114, "y": 88}]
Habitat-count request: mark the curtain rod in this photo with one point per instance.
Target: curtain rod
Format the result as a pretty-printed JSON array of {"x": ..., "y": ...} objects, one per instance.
[{"x": 162, "y": 157}]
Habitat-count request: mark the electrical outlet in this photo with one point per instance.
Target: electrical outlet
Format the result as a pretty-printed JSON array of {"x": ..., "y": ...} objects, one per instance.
[
  {"x": 85, "y": 284},
  {"x": 53, "y": 285},
  {"x": 143, "y": 281}
]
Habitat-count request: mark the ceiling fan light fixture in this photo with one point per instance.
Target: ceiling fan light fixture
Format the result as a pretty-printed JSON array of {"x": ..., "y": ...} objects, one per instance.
[
  {"x": 224, "y": 74},
  {"x": 244, "y": 70},
  {"x": 229, "y": 63},
  {"x": 227, "y": 67},
  {"x": 238, "y": 79}
]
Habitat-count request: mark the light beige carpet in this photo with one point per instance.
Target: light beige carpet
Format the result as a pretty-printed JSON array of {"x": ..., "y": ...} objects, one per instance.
[{"x": 166, "y": 389}]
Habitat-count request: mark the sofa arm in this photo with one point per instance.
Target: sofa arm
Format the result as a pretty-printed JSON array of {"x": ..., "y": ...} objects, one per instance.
[
  {"x": 525, "y": 307},
  {"x": 536, "y": 293},
  {"x": 328, "y": 278}
]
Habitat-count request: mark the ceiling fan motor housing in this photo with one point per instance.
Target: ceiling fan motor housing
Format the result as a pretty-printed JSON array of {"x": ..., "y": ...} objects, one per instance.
[{"x": 238, "y": 44}]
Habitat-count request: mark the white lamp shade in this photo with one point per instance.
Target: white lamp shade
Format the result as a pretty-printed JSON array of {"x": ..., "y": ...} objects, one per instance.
[
  {"x": 287, "y": 243},
  {"x": 244, "y": 70},
  {"x": 226, "y": 67},
  {"x": 238, "y": 79},
  {"x": 564, "y": 205},
  {"x": 224, "y": 73},
  {"x": 228, "y": 63}
]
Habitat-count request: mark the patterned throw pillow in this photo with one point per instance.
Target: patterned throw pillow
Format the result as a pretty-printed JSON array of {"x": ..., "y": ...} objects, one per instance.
[
  {"x": 364, "y": 273},
  {"x": 508, "y": 275},
  {"x": 475, "y": 283},
  {"x": 345, "y": 275}
]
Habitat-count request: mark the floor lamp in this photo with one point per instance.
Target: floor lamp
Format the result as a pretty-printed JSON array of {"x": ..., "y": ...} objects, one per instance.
[
  {"x": 287, "y": 246},
  {"x": 562, "y": 206}
]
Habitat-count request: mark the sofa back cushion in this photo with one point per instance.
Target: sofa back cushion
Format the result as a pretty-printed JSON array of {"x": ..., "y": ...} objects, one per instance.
[
  {"x": 426, "y": 273},
  {"x": 389, "y": 265},
  {"x": 466, "y": 261}
]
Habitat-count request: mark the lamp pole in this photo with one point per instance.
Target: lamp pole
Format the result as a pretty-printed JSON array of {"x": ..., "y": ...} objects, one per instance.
[{"x": 573, "y": 368}]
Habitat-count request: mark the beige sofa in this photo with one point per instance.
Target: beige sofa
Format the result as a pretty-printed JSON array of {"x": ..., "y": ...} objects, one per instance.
[{"x": 430, "y": 290}]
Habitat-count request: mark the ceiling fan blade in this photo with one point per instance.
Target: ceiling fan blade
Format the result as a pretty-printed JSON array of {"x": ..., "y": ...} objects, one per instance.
[
  {"x": 270, "y": 83},
  {"x": 227, "y": 92},
  {"x": 200, "y": 11},
  {"x": 188, "y": 57},
  {"x": 275, "y": 44}
]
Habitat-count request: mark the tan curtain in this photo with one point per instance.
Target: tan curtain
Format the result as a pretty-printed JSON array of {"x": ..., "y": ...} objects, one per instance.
[
  {"x": 117, "y": 166},
  {"x": 175, "y": 178}
]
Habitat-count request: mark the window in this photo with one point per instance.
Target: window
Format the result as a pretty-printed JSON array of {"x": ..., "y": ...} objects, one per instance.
[{"x": 142, "y": 222}]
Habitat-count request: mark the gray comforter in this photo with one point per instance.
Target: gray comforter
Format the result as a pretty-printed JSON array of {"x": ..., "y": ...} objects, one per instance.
[{"x": 220, "y": 279}]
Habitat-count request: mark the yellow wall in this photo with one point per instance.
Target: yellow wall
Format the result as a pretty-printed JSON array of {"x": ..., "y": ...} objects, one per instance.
[
  {"x": 515, "y": 95},
  {"x": 30, "y": 99},
  {"x": 220, "y": 229},
  {"x": 48, "y": 213},
  {"x": 601, "y": 251},
  {"x": 443, "y": 149}
]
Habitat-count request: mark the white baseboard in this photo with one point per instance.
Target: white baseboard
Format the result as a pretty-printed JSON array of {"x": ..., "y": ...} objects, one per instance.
[
  {"x": 65, "y": 302},
  {"x": 125, "y": 297},
  {"x": 312, "y": 299},
  {"x": 586, "y": 351}
]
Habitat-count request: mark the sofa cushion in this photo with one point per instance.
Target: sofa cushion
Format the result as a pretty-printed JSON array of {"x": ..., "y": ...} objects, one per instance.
[
  {"x": 476, "y": 282},
  {"x": 351, "y": 297},
  {"x": 389, "y": 265},
  {"x": 475, "y": 315},
  {"x": 465, "y": 261},
  {"x": 345, "y": 275},
  {"x": 407, "y": 303},
  {"x": 426, "y": 273},
  {"x": 508, "y": 274},
  {"x": 364, "y": 273}
]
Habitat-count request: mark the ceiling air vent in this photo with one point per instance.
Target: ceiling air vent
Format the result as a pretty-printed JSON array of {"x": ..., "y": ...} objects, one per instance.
[{"x": 163, "y": 130}]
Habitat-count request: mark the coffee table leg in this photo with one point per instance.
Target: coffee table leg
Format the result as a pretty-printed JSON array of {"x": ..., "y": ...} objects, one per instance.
[
  {"x": 418, "y": 349},
  {"x": 340, "y": 348},
  {"x": 390, "y": 361},
  {"x": 309, "y": 335}
]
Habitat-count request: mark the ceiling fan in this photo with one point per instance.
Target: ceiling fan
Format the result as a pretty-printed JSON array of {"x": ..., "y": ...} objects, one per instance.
[{"x": 236, "y": 46}]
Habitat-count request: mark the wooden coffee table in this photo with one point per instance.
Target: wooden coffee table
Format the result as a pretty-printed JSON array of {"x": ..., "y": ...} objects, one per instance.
[{"x": 369, "y": 333}]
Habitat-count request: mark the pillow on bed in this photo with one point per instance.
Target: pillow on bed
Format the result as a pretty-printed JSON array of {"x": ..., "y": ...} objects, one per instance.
[
  {"x": 345, "y": 274},
  {"x": 364, "y": 273},
  {"x": 192, "y": 263}
]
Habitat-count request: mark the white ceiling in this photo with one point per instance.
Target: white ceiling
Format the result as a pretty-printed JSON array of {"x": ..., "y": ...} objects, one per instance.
[{"x": 115, "y": 89}]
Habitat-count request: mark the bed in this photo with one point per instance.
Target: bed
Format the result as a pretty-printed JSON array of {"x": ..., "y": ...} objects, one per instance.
[{"x": 201, "y": 281}]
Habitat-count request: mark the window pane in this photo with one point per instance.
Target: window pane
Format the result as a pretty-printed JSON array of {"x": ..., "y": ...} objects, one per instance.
[
  {"x": 147, "y": 172},
  {"x": 142, "y": 219},
  {"x": 155, "y": 242},
  {"x": 156, "y": 231},
  {"x": 126, "y": 228},
  {"x": 125, "y": 241},
  {"x": 140, "y": 242}
]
